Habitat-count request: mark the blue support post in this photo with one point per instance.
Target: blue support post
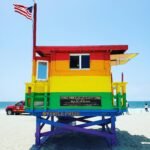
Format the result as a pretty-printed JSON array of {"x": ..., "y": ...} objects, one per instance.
[
  {"x": 103, "y": 126},
  {"x": 37, "y": 134},
  {"x": 52, "y": 127},
  {"x": 65, "y": 125},
  {"x": 113, "y": 130}
]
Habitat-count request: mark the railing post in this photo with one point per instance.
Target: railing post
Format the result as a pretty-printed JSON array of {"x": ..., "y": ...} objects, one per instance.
[
  {"x": 45, "y": 96},
  {"x": 32, "y": 97},
  {"x": 32, "y": 101},
  {"x": 124, "y": 95}
]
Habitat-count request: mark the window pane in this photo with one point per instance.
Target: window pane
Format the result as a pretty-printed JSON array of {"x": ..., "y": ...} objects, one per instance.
[
  {"x": 74, "y": 62},
  {"x": 42, "y": 70},
  {"x": 85, "y": 61}
]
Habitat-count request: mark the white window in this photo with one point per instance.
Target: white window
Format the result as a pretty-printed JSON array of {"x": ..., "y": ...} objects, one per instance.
[
  {"x": 42, "y": 70},
  {"x": 79, "y": 61}
]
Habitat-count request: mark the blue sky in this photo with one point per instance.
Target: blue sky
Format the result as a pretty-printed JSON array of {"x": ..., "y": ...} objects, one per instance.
[{"x": 75, "y": 22}]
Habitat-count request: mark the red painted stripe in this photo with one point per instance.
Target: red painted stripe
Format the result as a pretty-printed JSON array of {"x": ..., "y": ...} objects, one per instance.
[
  {"x": 60, "y": 56},
  {"x": 66, "y": 56},
  {"x": 100, "y": 56},
  {"x": 42, "y": 58}
]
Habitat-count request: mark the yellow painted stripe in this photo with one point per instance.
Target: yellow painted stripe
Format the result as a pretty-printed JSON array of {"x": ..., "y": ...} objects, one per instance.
[
  {"x": 72, "y": 84},
  {"x": 120, "y": 87},
  {"x": 80, "y": 84},
  {"x": 38, "y": 87}
]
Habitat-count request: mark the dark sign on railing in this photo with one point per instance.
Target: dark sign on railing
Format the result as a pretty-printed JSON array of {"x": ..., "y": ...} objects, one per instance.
[{"x": 80, "y": 101}]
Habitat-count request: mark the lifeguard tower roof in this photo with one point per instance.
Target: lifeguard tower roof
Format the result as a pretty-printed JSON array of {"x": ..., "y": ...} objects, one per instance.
[
  {"x": 117, "y": 55},
  {"x": 113, "y": 49}
]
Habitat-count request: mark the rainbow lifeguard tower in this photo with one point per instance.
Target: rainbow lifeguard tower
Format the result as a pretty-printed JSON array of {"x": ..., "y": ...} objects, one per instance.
[{"x": 74, "y": 83}]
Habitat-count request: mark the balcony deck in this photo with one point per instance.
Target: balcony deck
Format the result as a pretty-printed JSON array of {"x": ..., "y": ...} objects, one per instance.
[{"x": 117, "y": 106}]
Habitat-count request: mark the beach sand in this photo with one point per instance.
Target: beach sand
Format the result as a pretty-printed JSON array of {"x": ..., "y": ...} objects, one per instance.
[{"x": 133, "y": 133}]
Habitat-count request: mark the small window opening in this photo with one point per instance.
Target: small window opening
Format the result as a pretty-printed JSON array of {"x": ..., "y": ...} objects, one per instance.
[
  {"x": 42, "y": 70},
  {"x": 79, "y": 61}
]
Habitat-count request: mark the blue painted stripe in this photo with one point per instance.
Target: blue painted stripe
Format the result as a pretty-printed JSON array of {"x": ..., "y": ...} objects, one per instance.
[{"x": 75, "y": 112}]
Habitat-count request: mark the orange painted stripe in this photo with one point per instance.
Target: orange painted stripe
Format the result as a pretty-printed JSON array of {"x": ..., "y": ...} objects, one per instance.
[
  {"x": 61, "y": 68},
  {"x": 97, "y": 68}
]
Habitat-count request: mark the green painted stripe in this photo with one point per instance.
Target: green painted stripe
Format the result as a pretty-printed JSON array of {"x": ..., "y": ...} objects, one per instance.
[
  {"x": 105, "y": 100},
  {"x": 52, "y": 100}
]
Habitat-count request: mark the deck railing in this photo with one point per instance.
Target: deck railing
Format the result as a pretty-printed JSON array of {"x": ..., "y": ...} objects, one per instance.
[
  {"x": 41, "y": 95},
  {"x": 39, "y": 91},
  {"x": 119, "y": 94}
]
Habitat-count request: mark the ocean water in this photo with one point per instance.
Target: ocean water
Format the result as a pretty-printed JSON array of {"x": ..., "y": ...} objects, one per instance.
[
  {"x": 132, "y": 104},
  {"x": 3, "y": 105},
  {"x": 138, "y": 104}
]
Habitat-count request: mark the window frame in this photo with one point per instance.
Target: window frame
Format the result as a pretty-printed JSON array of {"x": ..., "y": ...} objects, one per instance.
[
  {"x": 80, "y": 61},
  {"x": 39, "y": 61}
]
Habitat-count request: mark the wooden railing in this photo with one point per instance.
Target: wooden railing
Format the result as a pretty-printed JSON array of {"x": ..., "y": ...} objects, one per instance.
[
  {"x": 119, "y": 94},
  {"x": 34, "y": 91}
]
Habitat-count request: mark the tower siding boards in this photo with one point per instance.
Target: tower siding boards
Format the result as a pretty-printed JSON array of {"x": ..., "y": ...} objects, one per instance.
[{"x": 64, "y": 83}]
